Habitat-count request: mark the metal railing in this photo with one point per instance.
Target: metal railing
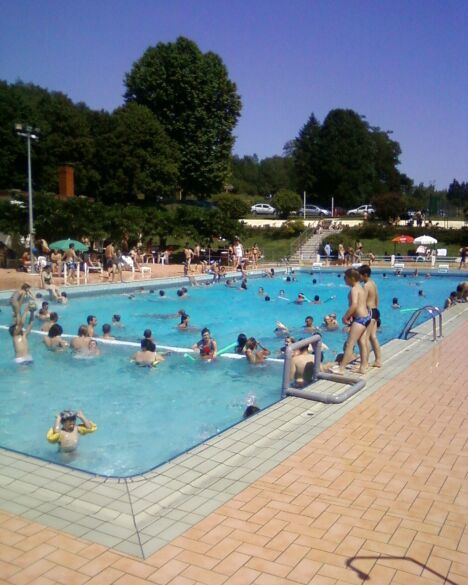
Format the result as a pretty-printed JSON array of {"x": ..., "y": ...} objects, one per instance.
[
  {"x": 436, "y": 315},
  {"x": 355, "y": 384}
]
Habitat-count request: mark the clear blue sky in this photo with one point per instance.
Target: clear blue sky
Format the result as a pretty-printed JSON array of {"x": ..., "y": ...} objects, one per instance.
[{"x": 401, "y": 63}]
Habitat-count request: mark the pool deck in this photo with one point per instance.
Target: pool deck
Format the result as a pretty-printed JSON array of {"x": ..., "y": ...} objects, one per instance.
[{"x": 370, "y": 490}]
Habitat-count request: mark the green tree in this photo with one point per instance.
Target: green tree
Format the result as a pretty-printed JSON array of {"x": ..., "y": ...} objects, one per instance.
[
  {"x": 458, "y": 193},
  {"x": 347, "y": 169},
  {"x": 386, "y": 160},
  {"x": 197, "y": 104},
  {"x": 275, "y": 174},
  {"x": 245, "y": 173},
  {"x": 137, "y": 160},
  {"x": 305, "y": 150},
  {"x": 388, "y": 205},
  {"x": 232, "y": 206},
  {"x": 285, "y": 201}
]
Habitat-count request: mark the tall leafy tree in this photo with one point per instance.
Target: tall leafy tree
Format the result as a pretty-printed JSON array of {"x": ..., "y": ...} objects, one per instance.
[
  {"x": 137, "y": 159},
  {"x": 305, "y": 151},
  {"x": 197, "y": 104},
  {"x": 347, "y": 168}
]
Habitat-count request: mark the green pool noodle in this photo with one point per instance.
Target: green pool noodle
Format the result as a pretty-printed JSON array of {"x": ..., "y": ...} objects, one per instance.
[
  {"x": 227, "y": 348},
  {"x": 189, "y": 357},
  {"x": 406, "y": 310}
]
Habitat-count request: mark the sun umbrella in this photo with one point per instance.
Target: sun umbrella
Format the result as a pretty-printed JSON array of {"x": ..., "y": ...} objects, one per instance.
[
  {"x": 425, "y": 240},
  {"x": 65, "y": 244},
  {"x": 401, "y": 239}
]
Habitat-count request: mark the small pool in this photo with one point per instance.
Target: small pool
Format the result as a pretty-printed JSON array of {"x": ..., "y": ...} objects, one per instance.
[{"x": 146, "y": 416}]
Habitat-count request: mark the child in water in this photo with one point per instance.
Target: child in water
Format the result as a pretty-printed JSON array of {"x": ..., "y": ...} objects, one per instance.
[
  {"x": 395, "y": 303},
  {"x": 66, "y": 432}
]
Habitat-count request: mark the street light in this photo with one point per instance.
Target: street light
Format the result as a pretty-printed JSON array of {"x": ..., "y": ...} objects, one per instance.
[{"x": 29, "y": 133}]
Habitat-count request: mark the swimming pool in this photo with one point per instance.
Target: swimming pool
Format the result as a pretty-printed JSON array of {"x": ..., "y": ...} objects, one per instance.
[{"x": 148, "y": 416}]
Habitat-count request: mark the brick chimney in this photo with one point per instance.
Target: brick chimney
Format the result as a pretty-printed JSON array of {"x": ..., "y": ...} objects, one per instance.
[{"x": 66, "y": 181}]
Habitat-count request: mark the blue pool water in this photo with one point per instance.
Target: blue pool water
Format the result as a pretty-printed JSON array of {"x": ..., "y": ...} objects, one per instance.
[{"x": 147, "y": 416}]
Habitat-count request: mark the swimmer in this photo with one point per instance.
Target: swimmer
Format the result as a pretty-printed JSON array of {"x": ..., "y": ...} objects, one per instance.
[
  {"x": 250, "y": 411},
  {"x": 53, "y": 318},
  {"x": 230, "y": 283},
  {"x": 43, "y": 314},
  {"x": 255, "y": 352},
  {"x": 66, "y": 432},
  {"x": 116, "y": 321},
  {"x": 184, "y": 321},
  {"x": 451, "y": 300},
  {"x": 106, "y": 331},
  {"x": 281, "y": 294},
  {"x": 162, "y": 293},
  {"x": 63, "y": 299},
  {"x": 267, "y": 298},
  {"x": 81, "y": 341},
  {"x": 421, "y": 293},
  {"x": 330, "y": 322},
  {"x": 206, "y": 346},
  {"x": 147, "y": 334},
  {"x": 20, "y": 336},
  {"x": 18, "y": 298},
  {"x": 309, "y": 324},
  {"x": 317, "y": 300},
  {"x": 261, "y": 292},
  {"x": 241, "y": 341},
  {"x": 358, "y": 317},
  {"x": 300, "y": 299},
  {"x": 302, "y": 367},
  {"x": 395, "y": 303},
  {"x": 147, "y": 356},
  {"x": 243, "y": 285},
  {"x": 93, "y": 349},
  {"x": 92, "y": 322},
  {"x": 281, "y": 330},
  {"x": 53, "y": 340},
  {"x": 287, "y": 341}
]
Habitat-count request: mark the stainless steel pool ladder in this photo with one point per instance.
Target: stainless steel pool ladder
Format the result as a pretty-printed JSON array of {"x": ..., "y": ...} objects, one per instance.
[
  {"x": 434, "y": 312},
  {"x": 355, "y": 384}
]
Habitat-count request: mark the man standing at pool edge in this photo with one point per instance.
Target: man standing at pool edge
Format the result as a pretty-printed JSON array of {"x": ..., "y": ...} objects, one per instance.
[{"x": 373, "y": 306}]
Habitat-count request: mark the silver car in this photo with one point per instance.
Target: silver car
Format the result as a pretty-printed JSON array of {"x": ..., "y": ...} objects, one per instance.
[
  {"x": 314, "y": 210},
  {"x": 262, "y": 209}
]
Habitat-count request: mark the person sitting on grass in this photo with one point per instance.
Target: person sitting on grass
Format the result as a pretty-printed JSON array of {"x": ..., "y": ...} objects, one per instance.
[{"x": 66, "y": 432}]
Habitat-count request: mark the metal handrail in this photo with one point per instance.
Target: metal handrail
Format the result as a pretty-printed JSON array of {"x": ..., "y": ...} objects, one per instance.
[
  {"x": 297, "y": 243},
  {"x": 355, "y": 384},
  {"x": 434, "y": 312}
]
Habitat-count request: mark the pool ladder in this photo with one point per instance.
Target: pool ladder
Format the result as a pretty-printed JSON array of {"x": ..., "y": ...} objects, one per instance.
[{"x": 436, "y": 315}]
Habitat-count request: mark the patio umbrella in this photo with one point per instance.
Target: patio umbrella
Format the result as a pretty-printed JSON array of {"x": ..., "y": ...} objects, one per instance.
[
  {"x": 401, "y": 239},
  {"x": 425, "y": 240},
  {"x": 65, "y": 244}
]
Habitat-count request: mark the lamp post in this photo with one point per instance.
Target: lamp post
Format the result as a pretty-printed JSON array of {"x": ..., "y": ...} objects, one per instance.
[{"x": 29, "y": 133}]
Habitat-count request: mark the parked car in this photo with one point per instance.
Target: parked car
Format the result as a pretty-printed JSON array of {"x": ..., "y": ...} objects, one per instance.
[
  {"x": 314, "y": 210},
  {"x": 362, "y": 210},
  {"x": 262, "y": 209}
]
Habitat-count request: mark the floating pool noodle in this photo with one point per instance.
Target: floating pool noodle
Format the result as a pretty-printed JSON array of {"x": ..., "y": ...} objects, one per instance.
[
  {"x": 332, "y": 298},
  {"x": 189, "y": 357},
  {"x": 227, "y": 348},
  {"x": 282, "y": 299},
  {"x": 406, "y": 310}
]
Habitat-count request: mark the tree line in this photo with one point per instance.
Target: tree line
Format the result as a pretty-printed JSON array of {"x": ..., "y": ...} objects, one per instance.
[{"x": 173, "y": 137}]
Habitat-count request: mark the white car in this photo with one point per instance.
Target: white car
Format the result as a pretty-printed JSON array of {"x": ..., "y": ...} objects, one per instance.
[
  {"x": 362, "y": 210},
  {"x": 314, "y": 210},
  {"x": 262, "y": 209}
]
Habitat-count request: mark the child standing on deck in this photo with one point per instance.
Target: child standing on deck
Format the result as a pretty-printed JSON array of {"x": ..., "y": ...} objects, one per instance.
[{"x": 358, "y": 318}]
